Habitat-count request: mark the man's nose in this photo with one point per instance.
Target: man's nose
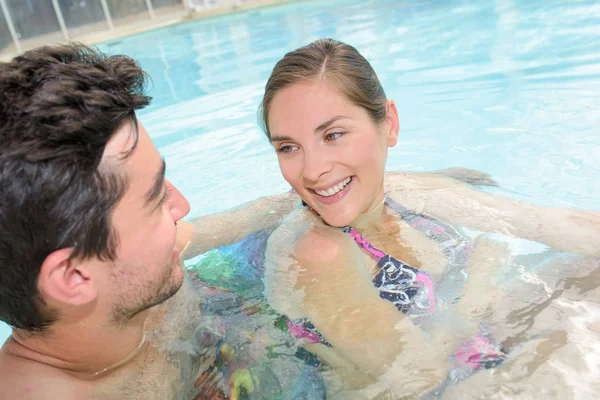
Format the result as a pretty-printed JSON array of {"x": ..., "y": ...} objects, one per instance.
[{"x": 178, "y": 204}]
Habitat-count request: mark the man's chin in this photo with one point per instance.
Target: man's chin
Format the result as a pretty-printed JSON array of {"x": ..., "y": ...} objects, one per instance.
[
  {"x": 167, "y": 292},
  {"x": 175, "y": 284}
]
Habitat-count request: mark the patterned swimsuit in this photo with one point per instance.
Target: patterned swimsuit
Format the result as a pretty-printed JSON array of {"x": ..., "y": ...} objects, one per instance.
[{"x": 412, "y": 291}]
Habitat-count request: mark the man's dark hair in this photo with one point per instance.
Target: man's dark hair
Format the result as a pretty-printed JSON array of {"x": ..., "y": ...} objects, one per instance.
[{"x": 59, "y": 106}]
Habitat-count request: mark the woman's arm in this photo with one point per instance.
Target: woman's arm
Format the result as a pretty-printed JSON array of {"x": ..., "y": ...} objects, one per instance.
[{"x": 569, "y": 230}]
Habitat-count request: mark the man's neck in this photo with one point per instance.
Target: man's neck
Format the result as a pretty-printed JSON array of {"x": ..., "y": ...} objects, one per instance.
[{"x": 81, "y": 351}]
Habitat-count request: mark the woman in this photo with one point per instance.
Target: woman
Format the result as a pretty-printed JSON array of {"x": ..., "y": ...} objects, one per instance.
[
  {"x": 357, "y": 269},
  {"x": 230, "y": 281}
]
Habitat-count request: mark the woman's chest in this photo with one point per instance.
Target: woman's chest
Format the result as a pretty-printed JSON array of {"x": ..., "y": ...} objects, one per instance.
[{"x": 409, "y": 246}]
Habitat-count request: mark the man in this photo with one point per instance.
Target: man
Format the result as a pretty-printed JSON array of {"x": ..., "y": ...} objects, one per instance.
[
  {"x": 89, "y": 243},
  {"x": 90, "y": 239}
]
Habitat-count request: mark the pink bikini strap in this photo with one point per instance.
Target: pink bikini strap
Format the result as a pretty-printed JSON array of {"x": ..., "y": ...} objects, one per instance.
[{"x": 365, "y": 244}]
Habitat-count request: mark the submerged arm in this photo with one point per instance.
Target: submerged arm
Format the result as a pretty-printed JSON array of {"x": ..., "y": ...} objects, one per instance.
[
  {"x": 569, "y": 230},
  {"x": 231, "y": 226}
]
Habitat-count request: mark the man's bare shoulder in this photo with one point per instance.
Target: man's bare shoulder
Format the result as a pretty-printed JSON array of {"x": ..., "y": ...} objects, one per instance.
[{"x": 25, "y": 379}]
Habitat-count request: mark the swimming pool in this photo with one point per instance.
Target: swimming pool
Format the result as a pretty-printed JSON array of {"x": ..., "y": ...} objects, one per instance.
[{"x": 507, "y": 87}]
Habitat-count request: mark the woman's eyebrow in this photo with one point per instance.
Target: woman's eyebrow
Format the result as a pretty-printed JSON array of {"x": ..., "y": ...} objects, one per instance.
[
  {"x": 326, "y": 124},
  {"x": 319, "y": 128}
]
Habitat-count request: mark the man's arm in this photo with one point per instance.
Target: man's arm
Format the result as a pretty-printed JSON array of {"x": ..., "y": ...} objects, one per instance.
[
  {"x": 231, "y": 226},
  {"x": 466, "y": 175},
  {"x": 569, "y": 230}
]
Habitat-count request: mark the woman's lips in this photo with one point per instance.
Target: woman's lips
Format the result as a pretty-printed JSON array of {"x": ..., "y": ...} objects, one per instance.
[{"x": 336, "y": 197}]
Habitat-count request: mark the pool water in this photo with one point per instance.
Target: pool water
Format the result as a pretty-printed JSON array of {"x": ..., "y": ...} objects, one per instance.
[
  {"x": 510, "y": 88},
  {"x": 507, "y": 87}
]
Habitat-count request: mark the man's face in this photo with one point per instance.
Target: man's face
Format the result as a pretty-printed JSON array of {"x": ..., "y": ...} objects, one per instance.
[{"x": 147, "y": 270}]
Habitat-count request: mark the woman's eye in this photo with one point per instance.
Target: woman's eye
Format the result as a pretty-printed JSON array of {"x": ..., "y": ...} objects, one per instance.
[
  {"x": 286, "y": 148},
  {"x": 329, "y": 137}
]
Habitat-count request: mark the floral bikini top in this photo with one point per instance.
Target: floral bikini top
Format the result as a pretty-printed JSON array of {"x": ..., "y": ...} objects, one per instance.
[{"x": 410, "y": 290}]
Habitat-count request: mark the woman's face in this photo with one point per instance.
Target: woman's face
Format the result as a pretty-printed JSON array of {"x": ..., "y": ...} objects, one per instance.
[{"x": 329, "y": 149}]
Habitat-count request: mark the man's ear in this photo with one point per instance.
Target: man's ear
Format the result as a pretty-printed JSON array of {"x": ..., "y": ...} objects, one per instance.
[
  {"x": 65, "y": 280},
  {"x": 393, "y": 123}
]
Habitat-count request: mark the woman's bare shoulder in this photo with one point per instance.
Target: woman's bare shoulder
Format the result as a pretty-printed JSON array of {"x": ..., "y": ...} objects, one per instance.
[
  {"x": 303, "y": 242},
  {"x": 306, "y": 237}
]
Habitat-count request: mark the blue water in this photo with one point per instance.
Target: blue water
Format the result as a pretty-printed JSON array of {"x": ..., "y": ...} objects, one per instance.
[{"x": 507, "y": 87}]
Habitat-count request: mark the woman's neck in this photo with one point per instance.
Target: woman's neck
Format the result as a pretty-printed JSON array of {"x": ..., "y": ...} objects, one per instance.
[{"x": 372, "y": 218}]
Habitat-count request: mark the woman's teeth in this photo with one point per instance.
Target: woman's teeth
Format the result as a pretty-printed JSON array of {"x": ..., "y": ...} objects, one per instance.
[{"x": 334, "y": 189}]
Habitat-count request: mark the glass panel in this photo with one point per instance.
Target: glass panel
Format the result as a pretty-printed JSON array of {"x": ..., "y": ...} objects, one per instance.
[
  {"x": 5, "y": 39},
  {"x": 83, "y": 15},
  {"x": 134, "y": 9},
  {"x": 33, "y": 17},
  {"x": 164, "y": 3}
]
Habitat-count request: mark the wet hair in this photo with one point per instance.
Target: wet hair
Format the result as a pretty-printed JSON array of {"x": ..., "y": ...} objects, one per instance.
[
  {"x": 59, "y": 107},
  {"x": 336, "y": 63}
]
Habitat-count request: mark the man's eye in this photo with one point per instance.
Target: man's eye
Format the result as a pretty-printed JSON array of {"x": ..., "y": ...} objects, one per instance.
[
  {"x": 165, "y": 195},
  {"x": 329, "y": 137}
]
